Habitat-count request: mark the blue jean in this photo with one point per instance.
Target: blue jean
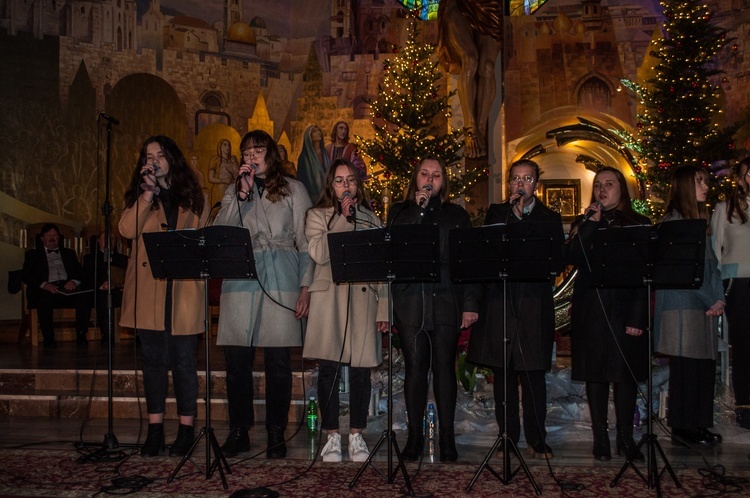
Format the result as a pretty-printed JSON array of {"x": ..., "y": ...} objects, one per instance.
[
  {"x": 328, "y": 395},
  {"x": 162, "y": 352},
  {"x": 241, "y": 392}
]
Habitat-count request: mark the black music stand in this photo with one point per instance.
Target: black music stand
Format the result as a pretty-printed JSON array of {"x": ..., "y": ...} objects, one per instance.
[
  {"x": 211, "y": 252},
  {"x": 669, "y": 255},
  {"x": 528, "y": 251},
  {"x": 401, "y": 253}
]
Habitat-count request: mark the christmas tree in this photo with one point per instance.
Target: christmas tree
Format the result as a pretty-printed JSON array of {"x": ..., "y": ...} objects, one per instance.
[
  {"x": 680, "y": 114},
  {"x": 410, "y": 116}
]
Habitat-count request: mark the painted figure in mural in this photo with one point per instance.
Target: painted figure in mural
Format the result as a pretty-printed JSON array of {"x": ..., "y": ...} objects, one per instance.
[
  {"x": 49, "y": 272},
  {"x": 686, "y": 324},
  {"x": 429, "y": 316},
  {"x": 470, "y": 38},
  {"x": 345, "y": 324},
  {"x": 607, "y": 339},
  {"x": 197, "y": 172},
  {"x": 313, "y": 162},
  {"x": 530, "y": 317},
  {"x": 222, "y": 170},
  {"x": 340, "y": 147},
  {"x": 730, "y": 229},
  {"x": 286, "y": 164},
  {"x": 266, "y": 312},
  {"x": 167, "y": 314}
]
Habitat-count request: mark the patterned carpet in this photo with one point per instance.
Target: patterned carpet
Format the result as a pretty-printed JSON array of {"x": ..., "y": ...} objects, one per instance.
[{"x": 30, "y": 472}]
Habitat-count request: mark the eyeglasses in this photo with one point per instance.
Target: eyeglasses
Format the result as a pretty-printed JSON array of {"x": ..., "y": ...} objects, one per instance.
[
  {"x": 255, "y": 149},
  {"x": 528, "y": 179},
  {"x": 350, "y": 180}
]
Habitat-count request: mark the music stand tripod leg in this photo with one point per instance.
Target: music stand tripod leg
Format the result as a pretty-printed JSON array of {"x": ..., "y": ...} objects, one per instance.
[{"x": 388, "y": 435}]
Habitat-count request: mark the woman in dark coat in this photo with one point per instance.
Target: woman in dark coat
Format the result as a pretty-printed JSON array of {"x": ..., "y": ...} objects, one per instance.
[
  {"x": 428, "y": 316},
  {"x": 530, "y": 315},
  {"x": 608, "y": 339}
]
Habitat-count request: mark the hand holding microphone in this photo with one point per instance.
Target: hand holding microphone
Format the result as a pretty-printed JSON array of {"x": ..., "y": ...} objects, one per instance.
[
  {"x": 148, "y": 173},
  {"x": 423, "y": 195},
  {"x": 245, "y": 179},
  {"x": 516, "y": 198},
  {"x": 347, "y": 206},
  {"x": 594, "y": 210}
]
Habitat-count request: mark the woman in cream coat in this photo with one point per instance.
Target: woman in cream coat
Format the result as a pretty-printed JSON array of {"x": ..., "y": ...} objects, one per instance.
[
  {"x": 266, "y": 312},
  {"x": 345, "y": 320},
  {"x": 168, "y": 314}
]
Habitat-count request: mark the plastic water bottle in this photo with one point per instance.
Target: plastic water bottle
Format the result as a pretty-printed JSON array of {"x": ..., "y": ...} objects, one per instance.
[
  {"x": 312, "y": 415},
  {"x": 431, "y": 428}
]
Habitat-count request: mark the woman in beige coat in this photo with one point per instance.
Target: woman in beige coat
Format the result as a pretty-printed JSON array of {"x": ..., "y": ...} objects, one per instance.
[
  {"x": 345, "y": 320},
  {"x": 167, "y": 314}
]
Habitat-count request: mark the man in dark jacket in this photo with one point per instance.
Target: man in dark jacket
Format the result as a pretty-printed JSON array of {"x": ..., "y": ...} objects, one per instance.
[
  {"x": 51, "y": 273},
  {"x": 529, "y": 311}
]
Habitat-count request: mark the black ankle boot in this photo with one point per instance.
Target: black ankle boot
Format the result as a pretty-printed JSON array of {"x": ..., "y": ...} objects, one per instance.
[
  {"x": 601, "y": 442},
  {"x": 626, "y": 444},
  {"x": 237, "y": 441},
  {"x": 276, "y": 444},
  {"x": 185, "y": 438},
  {"x": 414, "y": 446},
  {"x": 448, "y": 451},
  {"x": 154, "y": 440}
]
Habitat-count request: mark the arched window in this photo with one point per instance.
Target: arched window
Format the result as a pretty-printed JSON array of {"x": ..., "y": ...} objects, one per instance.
[{"x": 594, "y": 94}]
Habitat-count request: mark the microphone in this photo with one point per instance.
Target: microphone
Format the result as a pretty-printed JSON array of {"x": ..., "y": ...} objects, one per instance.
[
  {"x": 245, "y": 173},
  {"x": 352, "y": 216},
  {"x": 428, "y": 188},
  {"x": 520, "y": 193},
  {"x": 109, "y": 118},
  {"x": 154, "y": 170},
  {"x": 591, "y": 213}
]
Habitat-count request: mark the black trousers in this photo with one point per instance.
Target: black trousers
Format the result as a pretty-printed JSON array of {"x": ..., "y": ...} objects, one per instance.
[
  {"x": 163, "y": 352},
  {"x": 738, "y": 316},
  {"x": 241, "y": 391},
  {"x": 46, "y": 302},
  {"x": 624, "y": 394},
  {"x": 425, "y": 350},
  {"x": 691, "y": 393},
  {"x": 534, "y": 399},
  {"x": 328, "y": 395}
]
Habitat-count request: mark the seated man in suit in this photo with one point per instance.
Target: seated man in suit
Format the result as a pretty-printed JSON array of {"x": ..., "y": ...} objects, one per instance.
[
  {"x": 49, "y": 273},
  {"x": 95, "y": 271}
]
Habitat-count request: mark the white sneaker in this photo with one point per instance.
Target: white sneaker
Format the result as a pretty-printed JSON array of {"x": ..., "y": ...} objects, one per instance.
[
  {"x": 331, "y": 452},
  {"x": 358, "y": 451}
]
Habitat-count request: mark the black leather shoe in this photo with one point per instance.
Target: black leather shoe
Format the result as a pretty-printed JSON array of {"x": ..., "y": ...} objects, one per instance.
[
  {"x": 414, "y": 446},
  {"x": 237, "y": 442},
  {"x": 540, "y": 450},
  {"x": 154, "y": 440},
  {"x": 81, "y": 340},
  {"x": 448, "y": 451},
  {"x": 710, "y": 436},
  {"x": 276, "y": 443},
  {"x": 184, "y": 441},
  {"x": 688, "y": 437}
]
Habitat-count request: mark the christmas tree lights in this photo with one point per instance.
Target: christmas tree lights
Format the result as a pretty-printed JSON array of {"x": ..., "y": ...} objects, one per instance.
[
  {"x": 410, "y": 116},
  {"x": 680, "y": 109}
]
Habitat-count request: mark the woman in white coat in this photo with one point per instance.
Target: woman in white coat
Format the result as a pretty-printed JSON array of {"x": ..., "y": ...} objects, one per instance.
[
  {"x": 266, "y": 312},
  {"x": 345, "y": 320}
]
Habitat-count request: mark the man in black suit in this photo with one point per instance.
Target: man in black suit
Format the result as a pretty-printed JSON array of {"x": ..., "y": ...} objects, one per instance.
[
  {"x": 95, "y": 271},
  {"x": 49, "y": 273}
]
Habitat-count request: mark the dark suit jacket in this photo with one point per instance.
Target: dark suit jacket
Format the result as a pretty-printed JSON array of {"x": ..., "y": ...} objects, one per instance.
[
  {"x": 95, "y": 268},
  {"x": 529, "y": 307},
  {"x": 36, "y": 270}
]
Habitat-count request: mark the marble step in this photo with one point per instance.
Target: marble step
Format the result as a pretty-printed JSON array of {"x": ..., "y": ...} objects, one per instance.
[{"x": 79, "y": 393}]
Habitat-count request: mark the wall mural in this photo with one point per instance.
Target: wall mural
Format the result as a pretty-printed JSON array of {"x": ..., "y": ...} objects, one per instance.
[{"x": 205, "y": 72}]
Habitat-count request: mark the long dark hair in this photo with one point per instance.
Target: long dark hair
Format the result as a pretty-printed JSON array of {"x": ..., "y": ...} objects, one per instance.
[
  {"x": 328, "y": 195},
  {"x": 682, "y": 193},
  {"x": 277, "y": 185},
  {"x": 626, "y": 204},
  {"x": 444, "y": 190},
  {"x": 181, "y": 180},
  {"x": 737, "y": 202}
]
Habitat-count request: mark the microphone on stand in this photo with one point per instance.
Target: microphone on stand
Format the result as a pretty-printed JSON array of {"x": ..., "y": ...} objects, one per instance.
[
  {"x": 428, "y": 188},
  {"x": 352, "y": 216},
  {"x": 109, "y": 118}
]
